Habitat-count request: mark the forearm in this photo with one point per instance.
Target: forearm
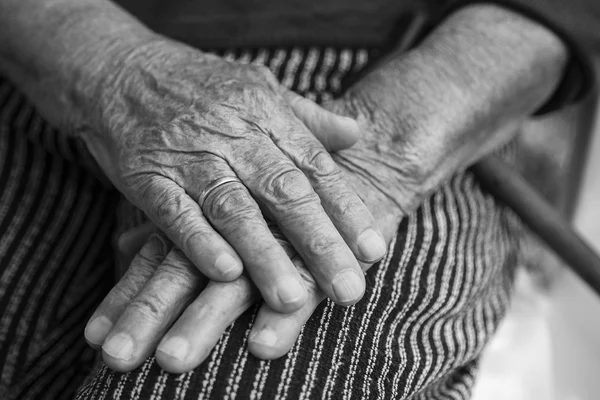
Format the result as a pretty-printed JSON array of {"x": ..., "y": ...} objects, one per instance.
[
  {"x": 576, "y": 18},
  {"x": 456, "y": 97},
  {"x": 494, "y": 53},
  {"x": 57, "y": 51},
  {"x": 500, "y": 66},
  {"x": 481, "y": 52},
  {"x": 451, "y": 98}
]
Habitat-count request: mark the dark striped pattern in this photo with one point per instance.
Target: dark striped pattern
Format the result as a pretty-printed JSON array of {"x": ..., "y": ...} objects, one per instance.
[
  {"x": 430, "y": 307},
  {"x": 54, "y": 255}
]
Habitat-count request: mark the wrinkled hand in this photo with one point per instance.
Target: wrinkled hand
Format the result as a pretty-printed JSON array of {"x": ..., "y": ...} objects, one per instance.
[
  {"x": 423, "y": 116},
  {"x": 150, "y": 298},
  {"x": 178, "y": 120}
]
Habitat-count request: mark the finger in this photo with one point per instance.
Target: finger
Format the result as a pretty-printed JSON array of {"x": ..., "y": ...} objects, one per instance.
[
  {"x": 273, "y": 333},
  {"x": 286, "y": 194},
  {"x": 335, "y": 132},
  {"x": 345, "y": 208},
  {"x": 350, "y": 216},
  {"x": 190, "y": 340},
  {"x": 324, "y": 227},
  {"x": 234, "y": 213},
  {"x": 139, "y": 272},
  {"x": 291, "y": 201},
  {"x": 150, "y": 314},
  {"x": 130, "y": 242},
  {"x": 180, "y": 217}
]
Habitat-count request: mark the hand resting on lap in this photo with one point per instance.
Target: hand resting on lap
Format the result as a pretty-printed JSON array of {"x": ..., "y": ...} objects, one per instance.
[{"x": 423, "y": 116}]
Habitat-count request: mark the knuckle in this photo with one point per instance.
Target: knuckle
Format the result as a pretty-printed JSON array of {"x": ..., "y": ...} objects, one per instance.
[
  {"x": 178, "y": 216},
  {"x": 319, "y": 164},
  {"x": 170, "y": 208},
  {"x": 288, "y": 187},
  {"x": 344, "y": 204},
  {"x": 179, "y": 268},
  {"x": 134, "y": 279},
  {"x": 318, "y": 246},
  {"x": 151, "y": 306},
  {"x": 129, "y": 289},
  {"x": 230, "y": 202},
  {"x": 173, "y": 274},
  {"x": 173, "y": 283}
]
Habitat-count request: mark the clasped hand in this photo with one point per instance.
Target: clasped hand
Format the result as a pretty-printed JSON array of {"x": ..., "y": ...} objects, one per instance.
[
  {"x": 191, "y": 119},
  {"x": 177, "y": 121},
  {"x": 180, "y": 120}
]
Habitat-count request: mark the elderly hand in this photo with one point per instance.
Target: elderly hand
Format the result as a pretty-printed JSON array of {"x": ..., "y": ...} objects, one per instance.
[
  {"x": 424, "y": 115},
  {"x": 205, "y": 147},
  {"x": 155, "y": 289}
]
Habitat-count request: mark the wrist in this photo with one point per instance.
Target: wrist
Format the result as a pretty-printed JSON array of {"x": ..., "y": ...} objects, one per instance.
[{"x": 59, "y": 52}]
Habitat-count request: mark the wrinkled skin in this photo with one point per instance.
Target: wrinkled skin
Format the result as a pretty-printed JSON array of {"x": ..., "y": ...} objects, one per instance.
[
  {"x": 205, "y": 308},
  {"x": 160, "y": 274},
  {"x": 179, "y": 119},
  {"x": 423, "y": 116}
]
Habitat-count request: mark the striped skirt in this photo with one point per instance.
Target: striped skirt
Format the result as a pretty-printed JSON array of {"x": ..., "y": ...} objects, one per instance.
[{"x": 430, "y": 307}]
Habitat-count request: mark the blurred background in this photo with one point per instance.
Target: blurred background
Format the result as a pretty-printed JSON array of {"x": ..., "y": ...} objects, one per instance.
[{"x": 548, "y": 347}]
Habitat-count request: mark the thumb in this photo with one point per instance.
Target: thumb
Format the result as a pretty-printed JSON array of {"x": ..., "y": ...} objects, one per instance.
[{"x": 335, "y": 132}]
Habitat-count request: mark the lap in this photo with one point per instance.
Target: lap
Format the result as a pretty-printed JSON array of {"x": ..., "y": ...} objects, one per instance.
[
  {"x": 430, "y": 306},
  {"x": 55, "y": 259}
]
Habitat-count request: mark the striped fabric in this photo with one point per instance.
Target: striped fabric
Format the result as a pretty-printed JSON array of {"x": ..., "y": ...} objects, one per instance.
[
  {"x": 55, "y": 257},
  {"x": 429, "y": 309}
]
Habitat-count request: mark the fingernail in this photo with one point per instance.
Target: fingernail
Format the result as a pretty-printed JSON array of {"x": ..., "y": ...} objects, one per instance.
[
  {"x": 228, "y": 266},
  {"x": 347, "y": 286},
  {"x": 265, "y": 337},
  {"x": 97, "y": 329},
  {"x": 176, "y": 347},
  {"x": 119, "y": 346},
  {"x": 290, "y": 291},
  {"x": 371, "y": 246}
]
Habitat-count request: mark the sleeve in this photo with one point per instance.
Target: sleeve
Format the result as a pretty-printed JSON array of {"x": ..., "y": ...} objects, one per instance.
[{"x": 573, "y": 21}]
